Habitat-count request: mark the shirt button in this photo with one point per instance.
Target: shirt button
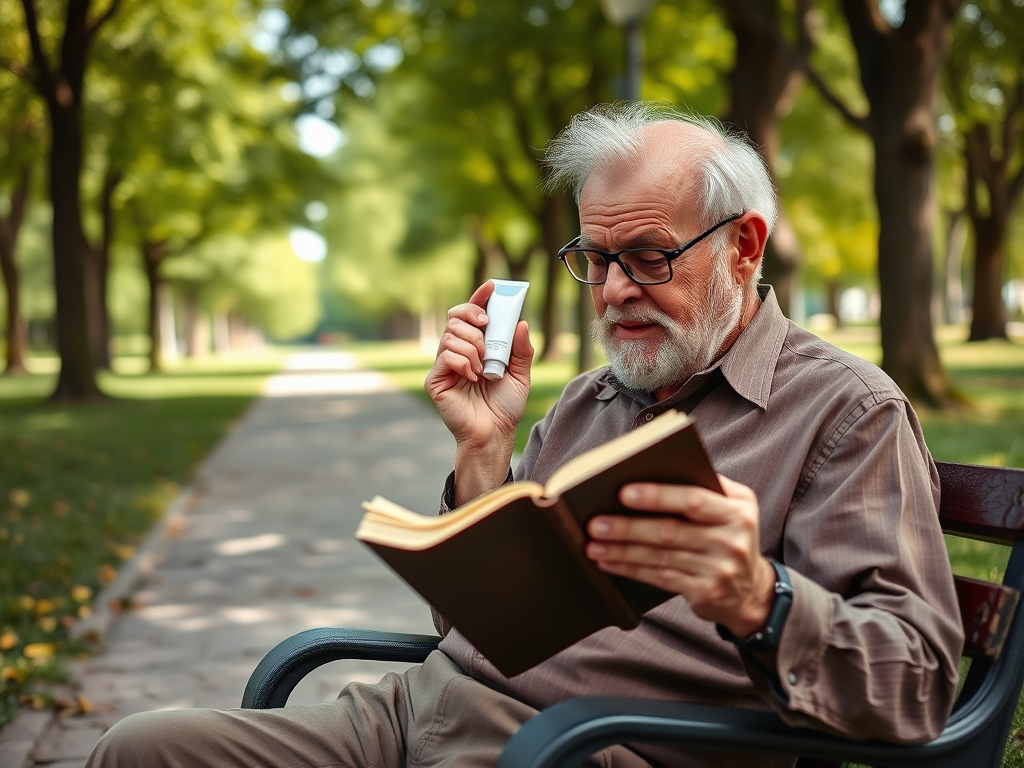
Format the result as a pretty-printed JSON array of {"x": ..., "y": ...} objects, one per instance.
[
  {"x": 792, "y": 678},
  {"x": 648, "y": 417}
]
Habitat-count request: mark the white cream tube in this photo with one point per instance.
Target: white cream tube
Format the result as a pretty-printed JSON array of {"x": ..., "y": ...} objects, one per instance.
[{"x": 503, "y": 310}]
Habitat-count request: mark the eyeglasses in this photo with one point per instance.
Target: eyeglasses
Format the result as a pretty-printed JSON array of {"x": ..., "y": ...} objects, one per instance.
[{"x": 644, "y": 266}]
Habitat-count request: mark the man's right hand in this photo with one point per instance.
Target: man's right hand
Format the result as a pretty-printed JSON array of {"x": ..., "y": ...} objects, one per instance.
[{"x": 482, "y": 415}]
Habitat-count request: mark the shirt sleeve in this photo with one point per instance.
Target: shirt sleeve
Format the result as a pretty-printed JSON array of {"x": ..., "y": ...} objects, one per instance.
[{"x": 872, "y": 643}]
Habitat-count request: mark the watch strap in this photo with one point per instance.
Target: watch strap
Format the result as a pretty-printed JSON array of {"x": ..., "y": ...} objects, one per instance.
[{"x": 767, "y": 638}]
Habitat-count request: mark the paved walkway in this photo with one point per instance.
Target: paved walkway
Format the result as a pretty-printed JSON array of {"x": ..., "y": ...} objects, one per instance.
[{"x": 262, "y": 547}]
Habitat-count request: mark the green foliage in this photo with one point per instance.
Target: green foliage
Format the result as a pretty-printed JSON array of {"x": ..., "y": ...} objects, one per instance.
[{"x": 824, "y": 170}]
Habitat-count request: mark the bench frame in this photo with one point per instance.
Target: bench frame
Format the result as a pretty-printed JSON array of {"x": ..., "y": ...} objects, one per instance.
[{"x": 985, "y": 503}]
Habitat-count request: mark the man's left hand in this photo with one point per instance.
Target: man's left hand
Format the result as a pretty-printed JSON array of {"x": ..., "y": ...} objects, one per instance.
[{"x": 702, "y": 545}]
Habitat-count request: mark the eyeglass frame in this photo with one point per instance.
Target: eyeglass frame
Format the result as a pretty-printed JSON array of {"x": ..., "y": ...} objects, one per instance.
[{"x": 613, "y": 258}]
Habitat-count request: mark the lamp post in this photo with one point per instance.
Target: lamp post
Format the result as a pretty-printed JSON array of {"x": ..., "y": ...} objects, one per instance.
[{"x": 629, "y": 15}]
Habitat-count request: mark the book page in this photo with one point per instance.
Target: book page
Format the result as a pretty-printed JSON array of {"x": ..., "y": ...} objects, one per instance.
[
  {"x": 596, "y": 460},
  {"x": 388, "y": 523}
]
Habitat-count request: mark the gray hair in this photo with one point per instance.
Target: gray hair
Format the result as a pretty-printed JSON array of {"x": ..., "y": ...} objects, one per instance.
[{"x": 735, "y": 177}]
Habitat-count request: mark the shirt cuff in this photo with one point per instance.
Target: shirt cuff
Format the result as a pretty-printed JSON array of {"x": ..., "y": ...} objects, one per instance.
[
  {"x": 786, "y": 677},
  {"x": 448, "y": 494}
]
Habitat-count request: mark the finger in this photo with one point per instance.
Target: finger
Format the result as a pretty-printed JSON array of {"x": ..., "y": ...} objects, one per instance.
[
  {"x": 669, "y": 579},
  {"x": 458, "y": 333},
  {"x": 736, "y": 490},
  {"x": 447, "y": 365},
  {"x": 642, "y": 539},
  {"x": 469, "y": 313},
  {"x": 690, "y": 561},
  {"x": 689, "y": 501},
  {"x": 464, "y": 349},
  {"x": 521, "y": 355},
  {"x": 482, "y": 294}
]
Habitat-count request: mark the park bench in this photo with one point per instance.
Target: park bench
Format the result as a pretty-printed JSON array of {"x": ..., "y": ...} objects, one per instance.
[{"x": 985, "y": 503}]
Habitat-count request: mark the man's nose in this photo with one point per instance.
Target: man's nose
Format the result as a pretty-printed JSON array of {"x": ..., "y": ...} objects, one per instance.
[{"x": 618, "y": 288}]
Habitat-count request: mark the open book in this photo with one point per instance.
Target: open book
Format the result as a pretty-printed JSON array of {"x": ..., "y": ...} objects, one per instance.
[{"x": 508, "y": 569}]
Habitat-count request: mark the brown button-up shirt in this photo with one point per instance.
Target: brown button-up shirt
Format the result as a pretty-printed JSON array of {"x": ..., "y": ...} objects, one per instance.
[{"x": 848, "y": 497}]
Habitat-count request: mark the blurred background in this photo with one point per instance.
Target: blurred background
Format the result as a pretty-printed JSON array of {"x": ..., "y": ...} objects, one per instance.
[{"x": 189, "y": 190}]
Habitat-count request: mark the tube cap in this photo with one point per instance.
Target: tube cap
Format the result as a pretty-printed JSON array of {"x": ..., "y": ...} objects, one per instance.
[{"x": 493, "y": 369}]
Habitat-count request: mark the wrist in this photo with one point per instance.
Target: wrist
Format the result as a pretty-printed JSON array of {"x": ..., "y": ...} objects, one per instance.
[
  {"x": 766, "y": 636},
  {"x": 480, "y": 469}
]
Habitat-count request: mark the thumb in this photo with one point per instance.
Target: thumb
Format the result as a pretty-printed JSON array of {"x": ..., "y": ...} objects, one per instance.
[{"x": 521, "y": 354}]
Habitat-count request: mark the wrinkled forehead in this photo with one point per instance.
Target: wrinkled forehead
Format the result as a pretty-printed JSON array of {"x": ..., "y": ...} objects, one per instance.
[{"x": 667, "y": 159}]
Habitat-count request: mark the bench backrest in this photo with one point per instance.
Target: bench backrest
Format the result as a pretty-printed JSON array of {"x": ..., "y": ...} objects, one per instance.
[{"x": 987, "y": 503}]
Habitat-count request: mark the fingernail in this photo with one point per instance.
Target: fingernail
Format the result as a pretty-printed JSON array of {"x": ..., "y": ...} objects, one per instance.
[
  {"x": 629, "y": 493},
  {"x": 481, "y": 318},
  {"x": 596, "y": 550},
  {"x": 600, "y": 528}
]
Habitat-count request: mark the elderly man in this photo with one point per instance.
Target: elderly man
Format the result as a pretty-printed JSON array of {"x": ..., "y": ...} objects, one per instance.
[{"x": 817, "y": 585}]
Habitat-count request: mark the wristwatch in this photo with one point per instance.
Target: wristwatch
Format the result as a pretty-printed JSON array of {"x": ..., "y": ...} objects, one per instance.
[{"x": 767, "y": 638}]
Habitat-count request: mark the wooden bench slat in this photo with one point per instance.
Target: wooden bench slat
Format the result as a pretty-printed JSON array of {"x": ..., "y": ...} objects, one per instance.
[
  {"x": 984, "y": 503},
  {"x": 986, "y": 611}
]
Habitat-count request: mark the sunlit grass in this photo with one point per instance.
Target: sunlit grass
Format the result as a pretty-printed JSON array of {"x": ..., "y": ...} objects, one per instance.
[{"x": 81, "y": 485}]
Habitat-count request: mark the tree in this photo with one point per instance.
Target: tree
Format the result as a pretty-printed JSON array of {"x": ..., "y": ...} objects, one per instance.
[
  {"x": 21, "y": 140},
  {"x": 61, "y": 84},
  {"x": 765, "y": 78},
  {"x": 986, "y": 88},
  {"x": 900, "y": 69}
]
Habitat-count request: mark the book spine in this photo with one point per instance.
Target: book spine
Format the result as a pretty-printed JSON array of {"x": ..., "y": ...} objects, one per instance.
[{"x": 563, "y": 522}]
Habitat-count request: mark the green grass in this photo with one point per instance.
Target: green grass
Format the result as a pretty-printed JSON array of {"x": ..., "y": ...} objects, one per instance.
[{"x": 80, "y": 486}]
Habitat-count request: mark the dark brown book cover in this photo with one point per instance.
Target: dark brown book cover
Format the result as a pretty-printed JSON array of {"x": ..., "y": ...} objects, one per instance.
[{"x": 517, "y": 583}]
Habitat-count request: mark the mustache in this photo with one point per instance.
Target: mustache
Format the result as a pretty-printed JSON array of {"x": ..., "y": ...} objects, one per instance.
[{"x": 634, "y": 314}]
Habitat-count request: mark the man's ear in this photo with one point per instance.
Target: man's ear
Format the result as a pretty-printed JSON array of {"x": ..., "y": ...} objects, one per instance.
[{"x": 750, "y": 240}]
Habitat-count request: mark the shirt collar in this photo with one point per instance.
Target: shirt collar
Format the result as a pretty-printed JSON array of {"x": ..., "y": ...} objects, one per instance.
[{"x": 748, "y": 365}]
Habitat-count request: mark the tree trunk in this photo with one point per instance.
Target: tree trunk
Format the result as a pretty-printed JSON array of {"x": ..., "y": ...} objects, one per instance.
[
  {"x": 988, "y": 318},
  {"x": 763, "y": 83},
  {"x": 554, "y": 217},
  {"x": 99, "y": 256},
  {"x": 151, "y": 257},
  {"x": 585, "y": 357},
  {"x": 952, "y": 282},
  {"x": 900, "y": 71},
  {"x": 77, "y": 379},
  {"x": 16, "y": 333},
  {"x": 62, "y": 91}
]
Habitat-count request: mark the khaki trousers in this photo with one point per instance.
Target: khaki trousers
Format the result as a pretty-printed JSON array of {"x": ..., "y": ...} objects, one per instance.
[{"x": 432, "y": 716}]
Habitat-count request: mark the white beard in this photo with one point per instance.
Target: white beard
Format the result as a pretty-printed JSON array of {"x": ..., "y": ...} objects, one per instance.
[{"x": 648, "y": 366}]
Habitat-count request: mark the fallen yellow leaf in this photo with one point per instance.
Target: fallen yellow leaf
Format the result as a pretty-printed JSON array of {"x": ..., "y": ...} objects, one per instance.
[
  {"x": 123, "y": 551},
  {"x": 47, "y": 623},
  {"x": 84, "y": 704},
  {"x": 26, "y": 602},
  {"x": 10, "y": 673},
  {"x": 44, "y": 606},
  {"x": 39, "y": 650},
  {"x": 107, "y": 574},
  {"x": 7, "y": 641},
  {"x": 20, "y": 497},
  {"x": 80, "y": 593}
]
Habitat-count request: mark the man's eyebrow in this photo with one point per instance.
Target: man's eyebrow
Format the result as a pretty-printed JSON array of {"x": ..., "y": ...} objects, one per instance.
[{"x": 655, "y": 237}]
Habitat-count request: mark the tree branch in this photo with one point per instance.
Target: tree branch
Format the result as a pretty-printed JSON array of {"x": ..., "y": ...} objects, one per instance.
[
  {"x": 860, "y": 122},
  {"x": 44, "y": 75},
  {"x": 102, "y": 19},
  {"x": 799, "y": 54},
  {"x": 17, "y": 70}
]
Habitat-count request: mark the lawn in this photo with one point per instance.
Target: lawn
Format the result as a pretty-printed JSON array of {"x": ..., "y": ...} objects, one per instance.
[{"x": 80, "y": 486}]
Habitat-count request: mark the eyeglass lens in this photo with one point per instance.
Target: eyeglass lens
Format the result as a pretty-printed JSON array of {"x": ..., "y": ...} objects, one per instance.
[{"x": 642, "y": 266}]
